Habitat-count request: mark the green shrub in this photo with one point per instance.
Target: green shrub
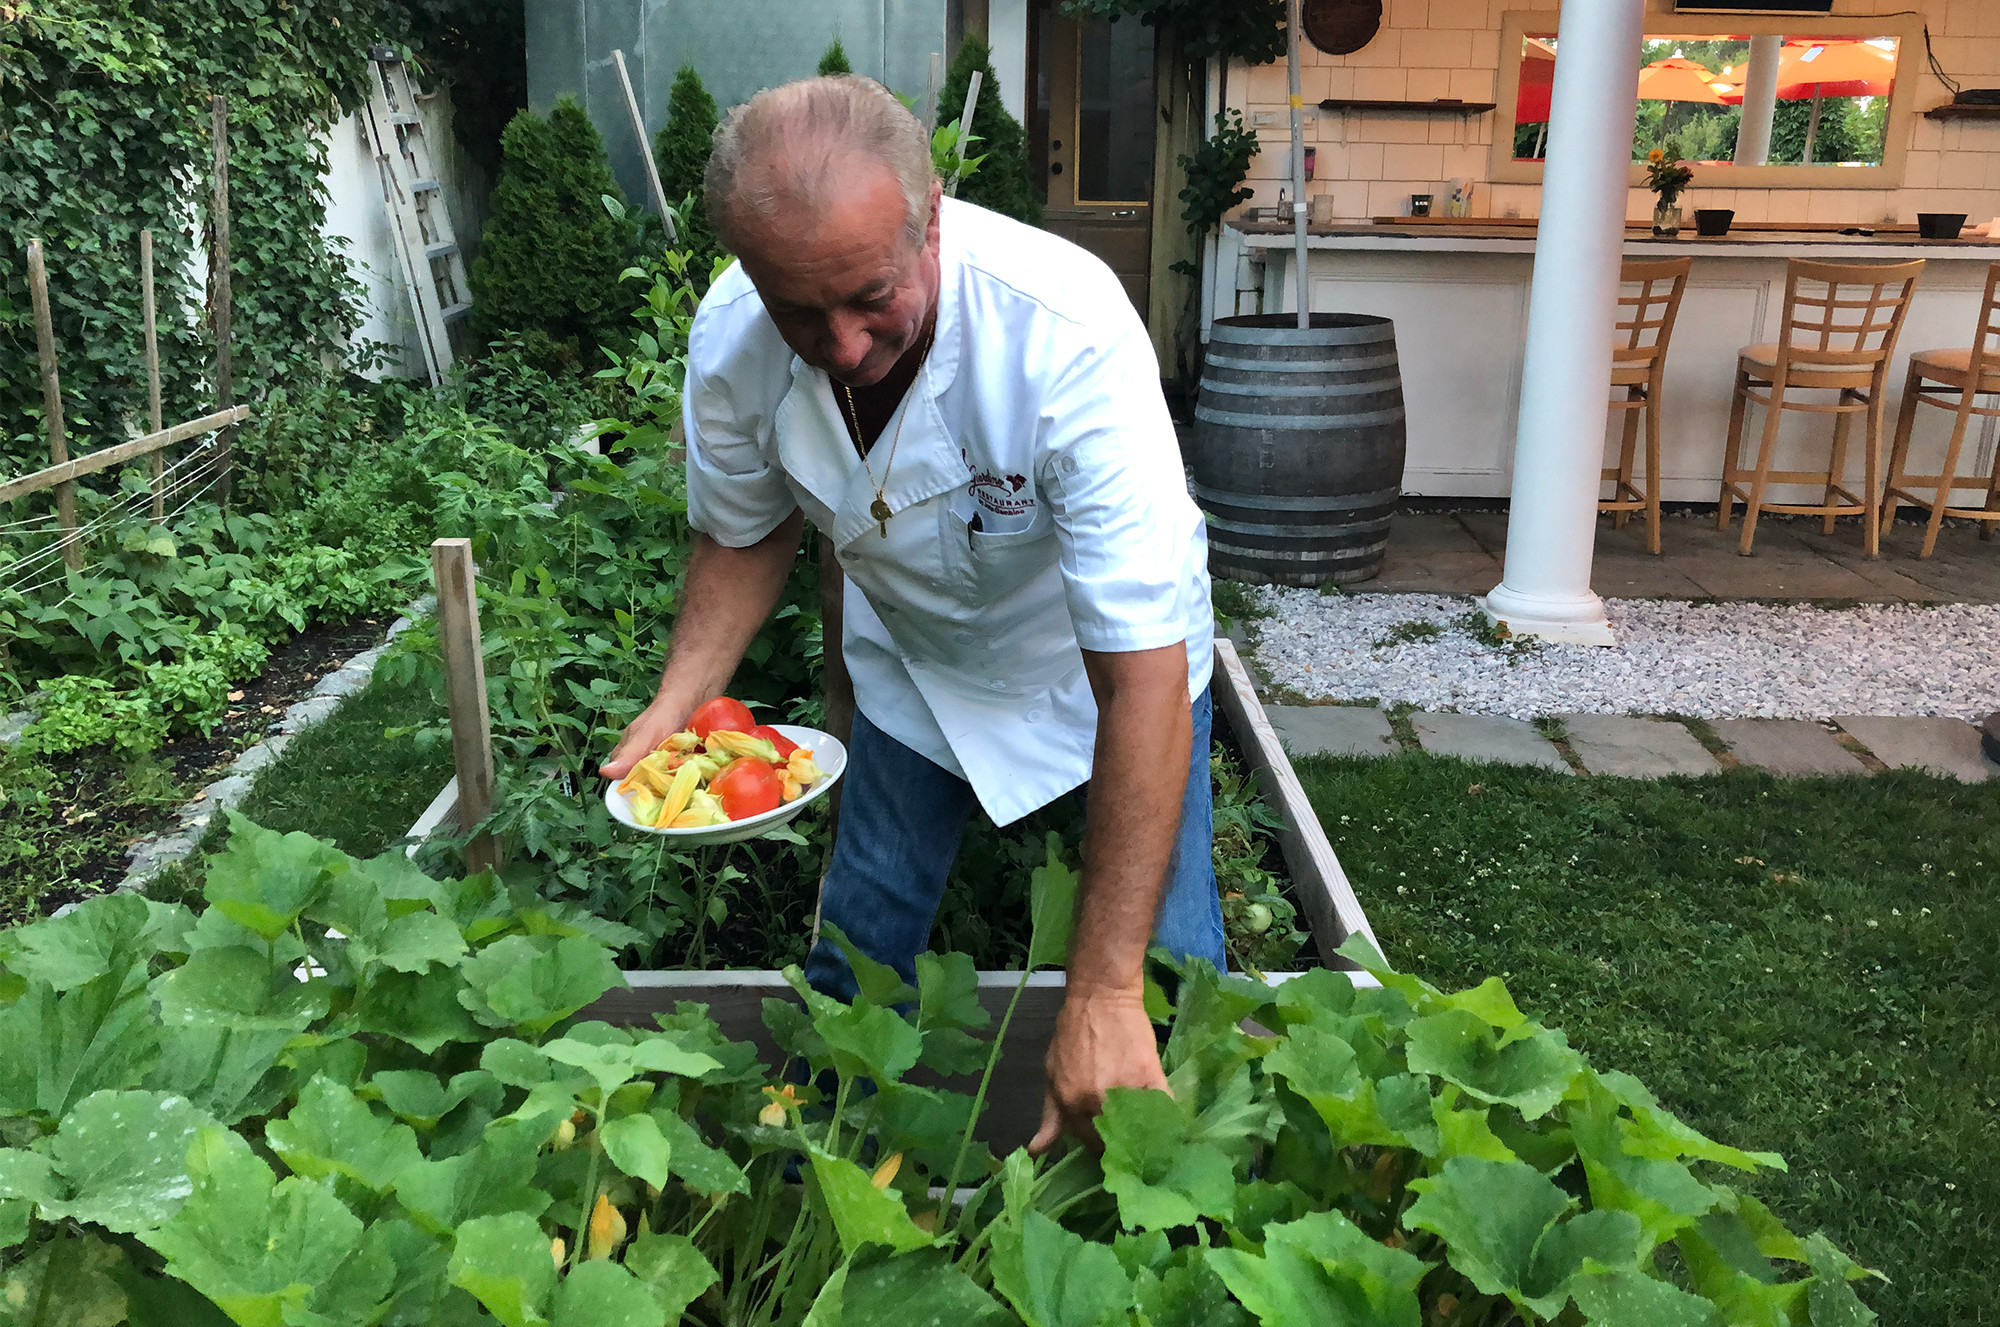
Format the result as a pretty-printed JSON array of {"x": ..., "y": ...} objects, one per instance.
[
  {"x": 682, "y": 149},
  {"x": 552, "y": 251},
  {"x": 1002, "y": 181},
  {"x": 835, "y": 60}
]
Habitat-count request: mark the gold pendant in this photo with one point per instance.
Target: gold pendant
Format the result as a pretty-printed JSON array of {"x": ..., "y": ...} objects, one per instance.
[{"x": 880, "y": 511}]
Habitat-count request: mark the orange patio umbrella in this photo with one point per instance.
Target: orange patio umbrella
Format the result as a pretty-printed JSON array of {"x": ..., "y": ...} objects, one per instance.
[
  {"x": 1678, "y": 79},
  {"x": 1834, "y": 69}
]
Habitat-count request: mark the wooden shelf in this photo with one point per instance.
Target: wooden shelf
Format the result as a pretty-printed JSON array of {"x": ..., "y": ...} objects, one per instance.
[
  {"x": 1953, "y": 110},
  {"x": 1443, "y": 104}
]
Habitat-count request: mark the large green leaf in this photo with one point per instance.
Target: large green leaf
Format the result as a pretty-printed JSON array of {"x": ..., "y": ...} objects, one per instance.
[
  {"x": 505, "y": 1262},
  {"x": 863, "y": 1214},
  {"x": 1664, "y": 1195},
  {"x": 236, "y": 987},
  {"x": 1052, "y": 889},
  {"x": 1657, "y": 1133},
  {"x": 331, "y": 1131},
  {"x": 919, "y": 1289},
  {"x": 613, "y": 1064},
  {"x": 1320, "y": 1271},
  {"x": 421, "y": 1009},
  {"x": 419, "y": 1100},
  {"x": 1053, "y": 1278},
  {"x": 869, "y": 1042},
  {"x": 219, "y": 1069},
  {"x": 407, "y": 937},
  {"x": 1491, "y": 1214},
  {"x": 1529, "y": 1068},
  {"x": 111, "y": 933},
  {"x": 1725, "y": 1266},
  {"x": 878, "y": 983},
  {"x": 1321, "y": 1067},
  {"x": 1634, "y": 1299},
  {"x": 263, "y": 880},
  {"x": 948, "y": 993},
  {"x": 123, "y": 1157},
  {"x": 702, "y": 1168},
  {"x": 672, "y": 1269},
  {"x": 253, "y": 1247},
  {"x": 76, "y": 1274},
  {"x": 638, "y": 1148},
  {"x": 1161, "y": 1176},
  {"x": 491, "y": 1179},
  {"x": 59, "y": 1049},
  {"x": 603, "y": 1294},
  {"x": 1187, "y": 1293},
  {"x": 534, "y": 982}
]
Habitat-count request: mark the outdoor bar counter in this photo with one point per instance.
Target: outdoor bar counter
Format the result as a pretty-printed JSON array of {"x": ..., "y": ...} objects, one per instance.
[{"x": 1458, "y": 294}]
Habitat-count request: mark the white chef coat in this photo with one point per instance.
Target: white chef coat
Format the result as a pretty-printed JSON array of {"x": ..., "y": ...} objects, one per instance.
[{"x": 1039, "y": 413}]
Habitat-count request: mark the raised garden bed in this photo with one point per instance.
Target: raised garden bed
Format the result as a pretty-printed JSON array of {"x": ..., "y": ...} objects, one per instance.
[{"x": 1319, "y": 888}]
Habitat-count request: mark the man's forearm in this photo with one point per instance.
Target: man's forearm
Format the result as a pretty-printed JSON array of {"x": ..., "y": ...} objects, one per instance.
[
  {"x": 1137, "y": 783},
  {"x": 728, "y": 595}
]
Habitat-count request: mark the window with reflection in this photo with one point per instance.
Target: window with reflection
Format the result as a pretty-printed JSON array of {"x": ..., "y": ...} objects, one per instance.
[{"x": 1738, "y": 99}]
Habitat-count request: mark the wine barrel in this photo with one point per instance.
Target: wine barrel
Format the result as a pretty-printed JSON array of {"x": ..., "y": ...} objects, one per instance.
[{"x": 1297, "y": 455}]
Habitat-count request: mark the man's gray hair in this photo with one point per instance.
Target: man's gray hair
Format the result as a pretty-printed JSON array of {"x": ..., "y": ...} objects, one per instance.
[{"x": 788, "y": 146}]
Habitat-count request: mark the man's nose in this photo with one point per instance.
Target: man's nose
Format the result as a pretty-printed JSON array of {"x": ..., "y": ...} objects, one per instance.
[{"x": 847, "y": 342}]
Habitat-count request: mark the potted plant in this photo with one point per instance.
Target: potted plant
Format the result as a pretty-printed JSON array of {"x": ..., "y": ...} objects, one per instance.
[{"x": 1667, "y": 175}]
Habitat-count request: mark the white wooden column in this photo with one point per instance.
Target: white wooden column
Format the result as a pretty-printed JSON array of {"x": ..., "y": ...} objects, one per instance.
[
  {"x": 1572, "y": 313},
  {"x": 1760, "y": 101}
]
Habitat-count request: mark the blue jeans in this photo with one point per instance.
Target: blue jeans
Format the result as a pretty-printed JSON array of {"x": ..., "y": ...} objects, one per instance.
[{"x": 901, "y": 819}]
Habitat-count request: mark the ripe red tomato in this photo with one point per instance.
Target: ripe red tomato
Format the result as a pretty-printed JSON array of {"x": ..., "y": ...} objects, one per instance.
[
  {"x": 732, "y": 716},
  {"x": 777, "y": 739},
  {"x": 747, "y": 787}
]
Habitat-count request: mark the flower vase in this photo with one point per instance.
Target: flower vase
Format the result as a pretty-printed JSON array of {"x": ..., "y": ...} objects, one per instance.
[{"x": 1667, "y": 219}]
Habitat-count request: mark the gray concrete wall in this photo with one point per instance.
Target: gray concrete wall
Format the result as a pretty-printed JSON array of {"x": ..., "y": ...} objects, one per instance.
[{"x": 739, "y": 47}]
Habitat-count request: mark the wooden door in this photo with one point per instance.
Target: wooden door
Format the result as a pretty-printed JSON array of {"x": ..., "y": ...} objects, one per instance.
[{"x": 1094, "y": 139}]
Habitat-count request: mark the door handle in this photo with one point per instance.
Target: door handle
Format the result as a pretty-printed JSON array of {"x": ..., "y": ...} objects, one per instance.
[{"x": 1125, "y": 212}]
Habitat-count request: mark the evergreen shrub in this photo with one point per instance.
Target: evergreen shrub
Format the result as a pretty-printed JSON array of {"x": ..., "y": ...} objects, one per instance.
[
  {"x": 682, "y": 149},
  {"x": 549, "y": 264},
  {"x": 835, "y": 60},
  {"x": 1002, "y": 182}
]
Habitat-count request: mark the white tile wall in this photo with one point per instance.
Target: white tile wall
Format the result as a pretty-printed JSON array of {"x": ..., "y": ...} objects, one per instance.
[{"x": 1427, "y": 49}]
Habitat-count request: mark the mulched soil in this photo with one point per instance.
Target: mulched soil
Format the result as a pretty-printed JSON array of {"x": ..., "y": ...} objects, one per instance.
[{"x": 193, "y": 760}]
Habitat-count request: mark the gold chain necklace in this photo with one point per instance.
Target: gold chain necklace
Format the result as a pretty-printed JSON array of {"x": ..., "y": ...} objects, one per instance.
[{"x": 879, "y": 508}]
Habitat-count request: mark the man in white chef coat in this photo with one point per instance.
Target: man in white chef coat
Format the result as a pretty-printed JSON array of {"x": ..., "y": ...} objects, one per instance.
[{"x": 970, "y": 409}]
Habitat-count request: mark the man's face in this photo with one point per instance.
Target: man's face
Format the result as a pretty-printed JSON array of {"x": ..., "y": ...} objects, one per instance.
[{"x": 848, "y": 291}]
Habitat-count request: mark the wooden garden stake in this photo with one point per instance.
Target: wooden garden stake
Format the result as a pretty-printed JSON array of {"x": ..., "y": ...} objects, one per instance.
[
  {"x": 150, "y": 316},
  {"x": 218, "y": 305},
  {"x": 836, "y": 687},
  {"x": 645, "y": 147},
  {"x": 465, "y": 693},
  {"x": 45, "y": 347}
]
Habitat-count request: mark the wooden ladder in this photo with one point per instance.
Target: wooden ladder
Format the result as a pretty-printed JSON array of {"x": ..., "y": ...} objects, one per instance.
[{"x": 433, "y": 267}]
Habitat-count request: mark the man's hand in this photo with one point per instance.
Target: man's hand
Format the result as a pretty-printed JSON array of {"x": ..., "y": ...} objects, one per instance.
[
  {"x": 1103, "y": 1040},
  {"x": 728, "y": 594},
  {"x": 660, "y": 720}
]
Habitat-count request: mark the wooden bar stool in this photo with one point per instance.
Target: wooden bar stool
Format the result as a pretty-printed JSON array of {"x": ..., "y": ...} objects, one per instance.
[
  {"x": 1968, "y": 373},
  {"x": 1837, "y": 334},
  {"x": 1649, "y": 299}
]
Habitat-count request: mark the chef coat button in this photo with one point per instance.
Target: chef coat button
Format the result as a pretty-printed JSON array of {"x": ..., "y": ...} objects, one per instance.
[
  {"x": 1034, "y": 716},
  {"x": 1069, "y": 465},
  {"x": 997, "y": 686},
  {"x": 962, "y": 637}
]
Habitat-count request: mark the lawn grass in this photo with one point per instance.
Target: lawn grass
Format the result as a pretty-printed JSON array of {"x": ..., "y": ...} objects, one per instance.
[
  {"x": 340, "y": 780},
  {"x": 1802, "y": 965}
]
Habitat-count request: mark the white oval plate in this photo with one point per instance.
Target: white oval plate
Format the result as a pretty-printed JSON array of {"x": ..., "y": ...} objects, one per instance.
[{"x": 828, "y": 754}]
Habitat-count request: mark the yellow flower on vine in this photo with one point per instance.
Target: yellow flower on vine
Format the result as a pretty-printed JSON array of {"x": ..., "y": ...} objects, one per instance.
[{"x": 782, "y": 1100}]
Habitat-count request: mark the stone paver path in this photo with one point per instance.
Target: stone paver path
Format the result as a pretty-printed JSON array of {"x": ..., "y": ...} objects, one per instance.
[
  {"x": 1787, "y": 746},
  {"x": 1636, "y": 748},
  {"x": 1941, "y": 746},
  {"x": 1342, "y": 730},
  {"x": 1491, "y": 737}
]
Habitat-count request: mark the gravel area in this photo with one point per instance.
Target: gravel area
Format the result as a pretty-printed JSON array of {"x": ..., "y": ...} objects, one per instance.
[{"x": 1715, "y": 661}]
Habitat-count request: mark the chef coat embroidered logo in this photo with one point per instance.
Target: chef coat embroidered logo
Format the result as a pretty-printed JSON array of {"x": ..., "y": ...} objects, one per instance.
[{"x": 999, "y": 494}]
